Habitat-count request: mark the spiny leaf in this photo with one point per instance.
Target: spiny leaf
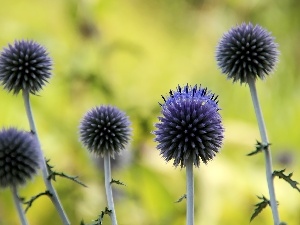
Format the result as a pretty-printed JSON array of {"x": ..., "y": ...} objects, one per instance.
[
  {"x": 259, "y": 147},
  {"x": 22, "y": 199},
  {"x": 181, "y": 198},
  {"x": 53, "y": 174},
  {"x": 49, "y": 167},
  {"x": 61, "y": 174},
  {"x": 32, "y": 199},
  {"x": 260, "y": 206},
  {"x": 99, "y": 220},
  {"x": 101, "y": 216},
  {"x": 287, "y": 178},
  {"x": 117, "y": 182}
]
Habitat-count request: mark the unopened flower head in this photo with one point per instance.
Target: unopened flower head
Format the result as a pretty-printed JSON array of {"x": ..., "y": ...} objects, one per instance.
[
  {"x": 20, "y": 157},
  {"x": 24, "y": 65},
  {"x": 105, "y": 129},
  {"x": 190, "y": 126},
  {"x": 247, "y": 52}
]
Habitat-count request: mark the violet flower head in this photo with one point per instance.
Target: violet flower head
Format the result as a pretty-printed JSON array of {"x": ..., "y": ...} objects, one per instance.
[
  {"x": 190, "y": 126},
  {"x": 105, "y": 129},
  {"x": 247, "y": 52},
  {"x": 25, "y": 65},
  {"x": 20, "y": 157}
]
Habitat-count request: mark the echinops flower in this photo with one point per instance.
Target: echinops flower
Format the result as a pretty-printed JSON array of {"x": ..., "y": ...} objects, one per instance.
[
  {"x": 190, "y": 126},
  {"x": 25, "y": 65},
  {"x": 20, "y": 157},
  {"x": 247, "y": 52},
  {"x": 105, "y": 129}
]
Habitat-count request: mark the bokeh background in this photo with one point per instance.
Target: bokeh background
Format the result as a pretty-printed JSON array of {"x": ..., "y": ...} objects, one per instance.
[{"x": 128, "y": 54}]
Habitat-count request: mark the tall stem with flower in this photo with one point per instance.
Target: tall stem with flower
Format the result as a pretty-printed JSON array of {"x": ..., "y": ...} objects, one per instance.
[
  {"x": 246, "y": 53},
  {"x": 189, "y": 130},
  {"x": 20, "y": 159},
  {"x": 25, "y": 66},
  {"x": 105, "y": 131}
]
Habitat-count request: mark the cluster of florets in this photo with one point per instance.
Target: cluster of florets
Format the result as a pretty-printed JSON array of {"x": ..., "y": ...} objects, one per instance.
[
  {"x": 190, "y": 126},
  {"x": 247, "y": 52},
  {"x": 26, "y": 66},
  {"x": 20, "y": 157},
  {"x": 105, "y": 129}
]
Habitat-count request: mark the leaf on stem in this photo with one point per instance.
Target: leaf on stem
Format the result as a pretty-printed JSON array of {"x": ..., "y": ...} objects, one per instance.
[
  {"x": 99, "y": 220},
  {"x": 260, "y": 206},
  {"x": 181, "y": 198},
  {"x": 117, "y": 182},
  {"x": 32, "y": 199},
  {"x": 287, "y": 178},
  {"x": 53, "y": 174},
  {"x": 259, "y": 147}
]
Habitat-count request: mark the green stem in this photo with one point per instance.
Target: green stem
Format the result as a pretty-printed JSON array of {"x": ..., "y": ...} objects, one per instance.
[
  {"x": 267, "y": 151},
  {"x": 189, "y": 192},
  {"x": 54, "y": 197},
  {"x": 18, "y": 205},
  {"x": 109, "y": 196}
]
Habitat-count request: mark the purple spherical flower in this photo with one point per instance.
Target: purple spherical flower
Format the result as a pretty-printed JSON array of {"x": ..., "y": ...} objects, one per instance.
[
  {"x": 247, "y": 52},
  {"x": 105, "y": 129},
  {"x": 25, "y": 65},
  {"x": 190, "y": 126},
  {"x": 20, "y": 157}
]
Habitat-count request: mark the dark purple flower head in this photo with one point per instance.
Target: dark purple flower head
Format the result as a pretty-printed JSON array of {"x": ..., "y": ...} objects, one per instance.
[
  {"x": 20, "y": 157},
  {"x": 105, "y": 129},
  {"x": 190, "y": 126},
  {"x": 247, "y": 52},
  {"x": 25, "y": 65}
]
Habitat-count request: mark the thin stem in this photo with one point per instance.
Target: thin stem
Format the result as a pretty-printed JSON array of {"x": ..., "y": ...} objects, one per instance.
[
  {"x": 267, "y": 151},
  {"x": 189, "y": 192},
  {"x": 18, "y": 205},
  {"x": 109, "y": 196},
  {"x": 54, "y": 197}
]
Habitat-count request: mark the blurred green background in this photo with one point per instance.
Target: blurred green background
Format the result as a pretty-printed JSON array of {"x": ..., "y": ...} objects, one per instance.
[{"x": 128, "y": 54}]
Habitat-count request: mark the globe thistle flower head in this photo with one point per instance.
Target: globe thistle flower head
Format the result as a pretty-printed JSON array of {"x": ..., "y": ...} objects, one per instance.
[
  {"x": 20, "y": 157},
  {"x": 190, "y": 126},
  {"x": 25, "y": 65},
  {"x": 105, "y": 129},
  {"x": 247, "y": 52}
]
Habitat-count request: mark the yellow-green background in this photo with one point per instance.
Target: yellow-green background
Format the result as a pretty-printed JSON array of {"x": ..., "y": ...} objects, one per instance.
[{"x": 128, "y": 53}]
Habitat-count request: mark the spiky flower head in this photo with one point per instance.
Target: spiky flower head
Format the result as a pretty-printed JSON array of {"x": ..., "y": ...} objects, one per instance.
[
  {"x": 25, "y": 65},
  {"x": 190, "y": 126},
  {"x": 247, "y": 52},
  {"x": 105, "y": 129},
  {"x": 20, "y": 157}
]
